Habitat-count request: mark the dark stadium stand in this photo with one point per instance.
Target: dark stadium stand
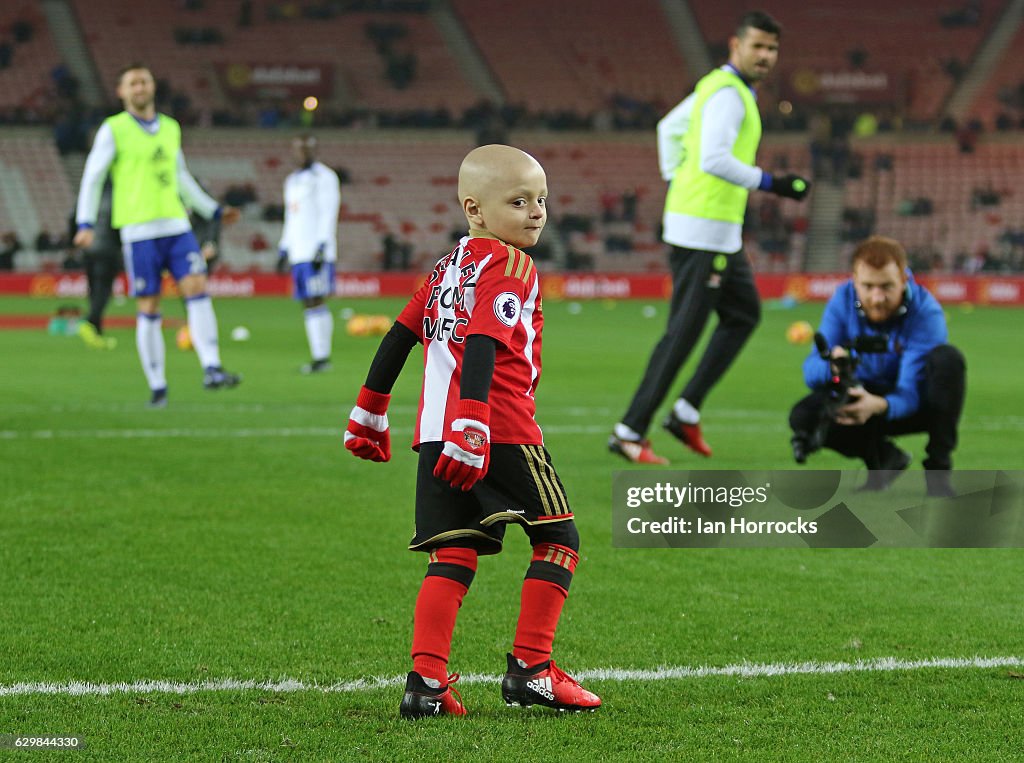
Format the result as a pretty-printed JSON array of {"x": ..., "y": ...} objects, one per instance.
[
  {"x": 116, "y": 35},
  {"x": 569, "y": 55},
  {"x": 26, "y": 81},
  {"x": 599, "y": 62},
  {"x": 823, "y": 36},
  {"x": 1003, "y": 93},
  {"x": 974, "y": 197},
  {"x": 37, "y": 195}
]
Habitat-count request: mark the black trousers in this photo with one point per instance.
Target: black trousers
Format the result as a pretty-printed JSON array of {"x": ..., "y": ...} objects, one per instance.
[
  {"x": 942, "y": 401},
  {"x": 101, "y": 268},
  {"x": 702, "y": 283}
]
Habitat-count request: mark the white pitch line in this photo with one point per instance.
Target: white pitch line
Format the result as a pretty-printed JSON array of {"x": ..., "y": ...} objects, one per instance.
[
  {"x": 281, "y": 432},
  {"x": 144, "y": 434},
  {"x": 288, "y": 685},
  {"x": 242, "y": 433},
  {"x": 719, "y": 417}
]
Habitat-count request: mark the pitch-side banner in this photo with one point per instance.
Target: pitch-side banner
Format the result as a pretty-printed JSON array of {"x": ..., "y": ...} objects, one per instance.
[
  {"x": 814, "y": 509},
  {"x": 811, "y": 287}
]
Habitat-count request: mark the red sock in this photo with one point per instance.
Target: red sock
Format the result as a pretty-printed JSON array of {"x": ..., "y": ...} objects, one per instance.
[
  {"x": 448, "y": 577},
  {"x": 544, "y": 593}
]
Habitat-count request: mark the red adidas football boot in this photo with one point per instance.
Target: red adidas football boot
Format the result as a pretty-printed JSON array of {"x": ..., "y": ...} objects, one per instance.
[
  {"x": 637, "y": 451},
  {"x": 546, "y": 685}
]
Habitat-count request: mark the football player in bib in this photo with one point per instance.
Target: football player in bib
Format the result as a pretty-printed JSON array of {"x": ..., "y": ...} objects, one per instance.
[
  {"x": 140, "y": 149},
  {"x": 478, "y": 317}
]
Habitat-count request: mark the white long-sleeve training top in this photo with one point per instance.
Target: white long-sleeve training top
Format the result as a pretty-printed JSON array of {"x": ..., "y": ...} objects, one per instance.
[
  {"x": 723, "y": 114},
  {"x": 312, "y": 197}
]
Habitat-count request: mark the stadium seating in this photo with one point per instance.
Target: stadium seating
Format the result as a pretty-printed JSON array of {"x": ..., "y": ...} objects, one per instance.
[
  {"x": 822, "y": 35},
  {"x": 401, "y": 182},
  {"x": 27, "y": 81},
  {"x": 939, "y": 171},
  {"x": 117, "y": 35},
  {"x": 551, "y": 57},
  {"x": 36, "y": 195},
  {"x": 1008, "y": 76},
  {"x": 404, "y": 182},
  {"x": 565, "y": 56}
]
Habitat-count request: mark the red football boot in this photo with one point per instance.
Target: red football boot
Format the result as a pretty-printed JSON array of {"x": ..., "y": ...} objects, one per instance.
[
  {"x": 637, "y": 451},
  {"x": 421, "y": 701},
  {"x": 688, "y": 434},
  {"x": 546, "y": 685}
]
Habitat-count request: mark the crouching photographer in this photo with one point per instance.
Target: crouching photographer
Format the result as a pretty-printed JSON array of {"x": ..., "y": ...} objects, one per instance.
[{"x": 882, "y": 368}]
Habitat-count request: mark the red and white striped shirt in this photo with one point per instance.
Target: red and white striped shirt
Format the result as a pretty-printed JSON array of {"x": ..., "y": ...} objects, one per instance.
[{"x": 484, "y": 287}]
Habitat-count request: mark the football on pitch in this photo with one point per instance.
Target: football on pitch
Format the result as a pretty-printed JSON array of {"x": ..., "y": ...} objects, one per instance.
[
  {"x": 183, "y": 339},
  {"x": 358, "y": 325},
  {"x": 368, "y": 325},
  {"x": 799, "y": 332}
]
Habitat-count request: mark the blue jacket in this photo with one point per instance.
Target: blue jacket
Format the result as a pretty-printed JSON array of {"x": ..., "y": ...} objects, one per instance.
[{"x": 899, "y": 373}]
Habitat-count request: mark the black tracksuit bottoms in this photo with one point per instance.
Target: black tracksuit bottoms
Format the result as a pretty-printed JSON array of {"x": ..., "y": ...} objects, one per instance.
[{"x": 702, "y": 282}]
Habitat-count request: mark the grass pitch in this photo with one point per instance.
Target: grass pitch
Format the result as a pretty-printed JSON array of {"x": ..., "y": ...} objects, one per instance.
[{"x": 230, "y": 551}]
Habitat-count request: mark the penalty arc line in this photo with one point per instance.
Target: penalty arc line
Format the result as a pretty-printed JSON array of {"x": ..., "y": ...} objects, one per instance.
[{"x": 288, "y": 685}]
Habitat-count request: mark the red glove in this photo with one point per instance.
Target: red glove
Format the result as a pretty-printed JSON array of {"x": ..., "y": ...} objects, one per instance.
[
  {"x": 367, "y": 434},
  {"x": 467, "y": 446}
]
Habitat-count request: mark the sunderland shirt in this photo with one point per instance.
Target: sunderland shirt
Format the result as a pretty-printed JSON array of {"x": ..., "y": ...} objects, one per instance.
[
  {"x": 483, "y": 287},
  {"x": 312, "y": 197}
]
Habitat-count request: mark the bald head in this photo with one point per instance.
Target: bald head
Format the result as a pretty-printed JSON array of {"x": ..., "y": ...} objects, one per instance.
[
  {"x": 503, "y": 192},
  {"x": 488, "y": 167}
]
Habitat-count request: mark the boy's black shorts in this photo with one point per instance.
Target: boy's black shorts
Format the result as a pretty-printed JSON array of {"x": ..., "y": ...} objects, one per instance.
[{"x": 520, "y": 485}]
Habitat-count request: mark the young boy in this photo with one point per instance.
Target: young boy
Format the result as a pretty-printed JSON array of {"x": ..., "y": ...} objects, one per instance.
[{"x": 479, "y": 318}]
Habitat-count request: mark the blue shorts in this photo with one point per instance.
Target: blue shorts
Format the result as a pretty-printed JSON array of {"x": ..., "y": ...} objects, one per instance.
[
  {"x": 309, "y": 284},
  {"x": 145, "y": 262}
]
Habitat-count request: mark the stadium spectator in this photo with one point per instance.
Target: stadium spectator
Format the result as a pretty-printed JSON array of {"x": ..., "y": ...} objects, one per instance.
[
  {"x": 43, "y": 241},
  {"x": 706, "y": 148},
  {"x": 240, "y": 195},
  {"x": 258, "y": 242},
  {"x": 967, "y": 136},
  {"x": 10, "y": 245},
  {"x": 102, "y": 262},
  {"x": 312, "y": 198},
  {"x": 245, "y": 13},
  {"x": 914, "y": 382},
  {"x": 141, "y": 150},
  {"x": 397, "y": 253},
  {"x": 629, "y": 203},
  {"x": 401, "y": 68},
  {"x": 479, "y": 318},
  {"x": 22, "y": 31},
  {"x": 72, "y": 261},
  {"x": 969, "y": 14},
  {"x": 985, "y": 196}
]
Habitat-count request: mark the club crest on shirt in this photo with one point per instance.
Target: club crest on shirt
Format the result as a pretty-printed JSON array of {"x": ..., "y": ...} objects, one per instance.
[{"x": 507, "y": 308}]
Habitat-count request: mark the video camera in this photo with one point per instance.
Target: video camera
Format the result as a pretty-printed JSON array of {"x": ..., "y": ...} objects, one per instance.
[{"x": 837, "y": 389}]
